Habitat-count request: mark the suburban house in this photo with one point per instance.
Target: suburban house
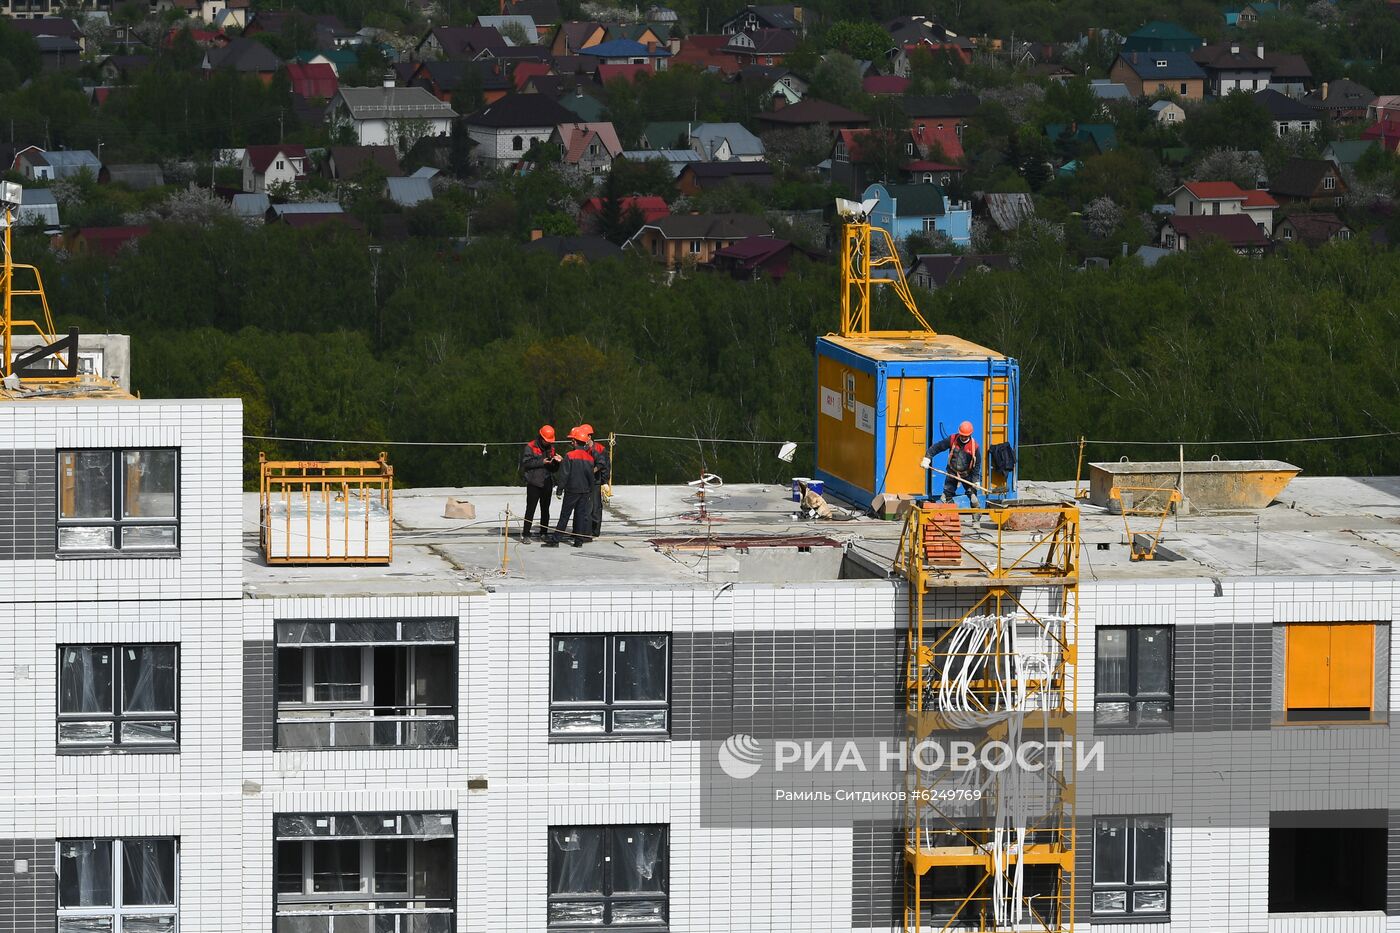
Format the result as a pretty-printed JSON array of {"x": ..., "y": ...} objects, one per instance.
[
  {"x": 1106, "y": 89},
  {"x": 245, "y": 56},
  {"x": 51, "y": 165},
  {"x": 785, "y": 87},
  {"x": 884, "y": 85},
  {"x": 329, "y": 31},
  {"x": 51, "y": 27},
  {"x": 313, "y": 80},
  {"x": 444, "y": 79},
  {"x": 1235, "y": 230},
  {"x": 812, "y": 112},
  {"x": 505, "y": 131},
  {"x": 121, "y": 69},
  {"x": 1167, "y": 112},
  {"x": 707, "y": 54},
  {"x": 1343, "y": 100},
  {"x": 952, "y": 109},
  {"x": 757, "y": 257},
  {"x": 589, "y": 146},
  {"x": 693, "y": 238},
  {"x": 1098, "y": 138},
  {"x": 724, "y": 142},
  {"x": 920, "y": 209},
  {"x": 459, "y": 43},
  {"x": 628, "y": 52},
  {"x": 103, "y": 241},
  {"x": 1347, "y": 152},
  {"x": 210, "y": 11},
  {"x": 1312, "y": 229},
  {"x": 1233, "y": 67},
  {"x": 572, "y": 38},
  {"x": 935, "y": 270},
  {"x": 572, "y": 249},
  {"x": 1317, "y": 182},
  {"x": 39, "y": 208},
  {"x": 266, "y": 166},
  {"x": 1249, "y": 14},
  {"x": 1287, "y": 114},
  {"x": 648, "y": 208},
  {"x": 512, "y": 22},
  {"x": 345, "y": 162},
  {"x": 1148, "y": 73},
  {"x": 926, "y": 152},
  {"x": 1158, "y": 36},
  {"x": 769, "y": 16},
  {"x": 676, "y": 159},
  {"x": 704, "y": 176},
  {"x": 138, "y": 176},
  {"x": 1223, "y": 199},
  {"x": 1385, "y": 131},
  {"x": 761, "y": 47},
  {"x": 395, "y": 116}
]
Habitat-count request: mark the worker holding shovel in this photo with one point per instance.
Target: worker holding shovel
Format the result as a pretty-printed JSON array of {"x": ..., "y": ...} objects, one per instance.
[{"x": 962, "y": 463}]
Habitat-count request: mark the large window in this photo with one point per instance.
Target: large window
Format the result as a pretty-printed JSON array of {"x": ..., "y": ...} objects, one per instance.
[
  {"x": 118, "y": 885},
  {"x": 118, "y": 500},
  {"x": 365, "y": 872},
  {"x": 1133, "y": 677},
  {"x": 1132, "y": 865},
  {"x": 118, "y": 696},
  {"x": 608, "y": 876},
  {"x": 610, "y": 684},
  {"x": 367, "y": 683},
  {"x": 1327, "y": 862}
]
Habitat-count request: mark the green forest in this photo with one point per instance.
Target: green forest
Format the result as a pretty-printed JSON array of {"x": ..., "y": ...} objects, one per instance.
[{"x": 324, "y": 337}]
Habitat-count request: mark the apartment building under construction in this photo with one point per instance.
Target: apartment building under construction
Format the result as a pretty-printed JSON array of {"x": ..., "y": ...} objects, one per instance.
[{"x": 327, "y": 707}]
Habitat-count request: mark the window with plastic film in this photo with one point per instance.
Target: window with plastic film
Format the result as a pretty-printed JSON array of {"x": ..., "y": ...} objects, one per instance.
[
  {"x": 1132, "y": 865},
  {"x": 616, "y": 685},
  {"x": 118, "y": 885},
  {"x": 367, "y": 683},
  {"x": 122, "y": 501},
  {"x": 365, "y": 872},
  {"x": 118, "y": 698},
  {"x": 609, "y": 876},
  {"x": 1133, "y": 678}
]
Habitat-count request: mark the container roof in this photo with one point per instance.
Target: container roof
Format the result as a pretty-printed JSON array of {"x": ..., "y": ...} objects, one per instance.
[{"x": 914, "y": 347}]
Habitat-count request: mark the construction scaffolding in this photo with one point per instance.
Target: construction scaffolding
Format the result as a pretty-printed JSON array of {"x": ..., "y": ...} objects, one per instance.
[{"x": 990, "y": 666}]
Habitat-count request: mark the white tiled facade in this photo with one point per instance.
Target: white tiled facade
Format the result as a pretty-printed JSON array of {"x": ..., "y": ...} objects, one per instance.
[{"x": 507, "y": 782}]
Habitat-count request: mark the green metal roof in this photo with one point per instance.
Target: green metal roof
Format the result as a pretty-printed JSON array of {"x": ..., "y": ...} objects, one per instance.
[{"x": 917, "y": 200}]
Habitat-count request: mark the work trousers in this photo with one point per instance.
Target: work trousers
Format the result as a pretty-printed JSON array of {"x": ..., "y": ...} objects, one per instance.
[
  {"x": 575, "y": 506},
  {"x": 538, "y": 496},
  {"x": 595, "y": 519},
  {"x": 950, "y": 487}
]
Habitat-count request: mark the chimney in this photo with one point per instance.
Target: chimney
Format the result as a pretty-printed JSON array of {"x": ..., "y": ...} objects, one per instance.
[
  {"x": 1259, "y": 50},
  {"x": 535, "y": 234},
  {"x": 1324, "y": 90},
  {"x": 779, "y": 102},
  {"x": 388, "y": 79}
]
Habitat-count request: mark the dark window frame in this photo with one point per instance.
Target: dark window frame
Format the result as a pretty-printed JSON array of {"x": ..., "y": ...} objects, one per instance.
[
  {"x": 609, "y": 705},
  {"x": 1135, "y": 697},
  {"x": 366, "y": 652},
  {"x": 117, "y": 717},
  {"x": 608, "y": 898},
  {"x": 116, "y": 521},
  {"x": 1129, "y": 886}
]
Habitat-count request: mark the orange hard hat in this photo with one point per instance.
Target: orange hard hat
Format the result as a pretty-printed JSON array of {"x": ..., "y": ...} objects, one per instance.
[
  {"x": 577, "y": 434},
  {"x": 586, "y": 429},
  {"x": 547, "y": 433},
  {"x": 965, "y": 429}
]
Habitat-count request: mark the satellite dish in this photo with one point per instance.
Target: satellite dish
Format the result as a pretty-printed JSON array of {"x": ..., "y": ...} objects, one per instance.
[
  {"x": 857, "y": 210},
  {"x": 785, "y": 453},
  {"x": 867, "y": 206}
]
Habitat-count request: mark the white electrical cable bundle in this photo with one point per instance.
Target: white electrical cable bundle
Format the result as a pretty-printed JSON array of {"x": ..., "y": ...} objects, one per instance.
[{"x": 986, "y": 647}]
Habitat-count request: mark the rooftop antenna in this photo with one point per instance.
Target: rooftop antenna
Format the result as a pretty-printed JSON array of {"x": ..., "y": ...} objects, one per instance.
[
  {"x": 64, "y": 349},
  {"x": 858, "y": 275}
]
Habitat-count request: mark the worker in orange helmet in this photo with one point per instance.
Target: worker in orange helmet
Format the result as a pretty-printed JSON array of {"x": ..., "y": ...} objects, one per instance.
[
  {"x": 963, "y": 459},
  {"x": 539, "y": 462},
  {"x": 603, "y": 473},
  {"x": 577, "y": 479}
]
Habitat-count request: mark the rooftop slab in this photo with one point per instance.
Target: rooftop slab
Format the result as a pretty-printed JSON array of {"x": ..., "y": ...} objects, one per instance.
[{"x": 1319, "y": 526}]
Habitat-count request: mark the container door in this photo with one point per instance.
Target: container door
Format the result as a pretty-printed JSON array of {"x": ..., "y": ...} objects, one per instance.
[
  {"x": 955, "y": 399},
  {"x": 906, "y": 435}
]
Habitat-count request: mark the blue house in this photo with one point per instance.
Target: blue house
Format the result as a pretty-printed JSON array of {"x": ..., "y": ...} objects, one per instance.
[{"x": 925, "y": 209}]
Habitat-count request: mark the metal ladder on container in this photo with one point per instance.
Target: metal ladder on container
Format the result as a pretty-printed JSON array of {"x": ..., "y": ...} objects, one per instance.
[{"x": 996, "y": 420}]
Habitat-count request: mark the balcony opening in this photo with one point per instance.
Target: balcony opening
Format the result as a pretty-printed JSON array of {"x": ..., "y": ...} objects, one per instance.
[{"x": 1325, "y": 868}]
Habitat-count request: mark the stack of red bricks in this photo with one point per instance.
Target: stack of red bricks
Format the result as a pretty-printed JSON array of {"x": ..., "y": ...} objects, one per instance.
[{"x": 942, "y": 534}]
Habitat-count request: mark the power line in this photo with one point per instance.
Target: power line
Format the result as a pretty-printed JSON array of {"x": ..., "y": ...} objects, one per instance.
[{"x": 1276, "y": 440}]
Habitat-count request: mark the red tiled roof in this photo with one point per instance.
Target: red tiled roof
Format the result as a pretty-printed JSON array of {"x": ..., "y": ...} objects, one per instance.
[
  {"x": 524, "y": 71},
  {"x": 652, "y": 207},
  {"x": 313, "y": 80},
  {"x": 626, "y": 73},
  {"x": 926, "y": 133},
  {"x": 1215, "y": 190},
  {"x": 262, "y": 156},
  {"x": 106, "y": 241},
  {"x": 1259, "y": 199},
  {"x": 884, "y": 84},
  {"x": 705, "y": 52}
]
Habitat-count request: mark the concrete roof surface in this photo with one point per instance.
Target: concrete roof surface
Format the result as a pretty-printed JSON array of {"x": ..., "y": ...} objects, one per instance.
[{"x": 1317, "y": 527}]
